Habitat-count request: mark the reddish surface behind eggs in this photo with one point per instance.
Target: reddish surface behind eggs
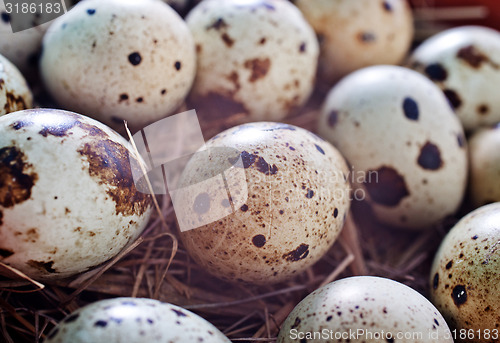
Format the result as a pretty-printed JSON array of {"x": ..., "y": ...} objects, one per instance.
[{"x": 492, "y": 19}]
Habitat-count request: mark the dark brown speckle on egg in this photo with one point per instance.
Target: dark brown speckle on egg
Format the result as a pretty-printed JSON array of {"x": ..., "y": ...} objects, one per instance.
[
  {"x": 333, "y": 118},
  {"x": 472, "y": 56},
  {"x": 298, "y": 254},
  {"x": 453, "y": 98},
  {"x": 134, "y": 58},
  {"x": 16, "y": 177},
  {"x": 459, "y": 295},
  {"x": 430, "y": 157},
  {"x": 389, "y": 188},
  {"x": 436, "y": 72},
  {"x": 258, "y": 68},
  {"x": 259, "y": 241},
  {"x": 410, "y": 108}
]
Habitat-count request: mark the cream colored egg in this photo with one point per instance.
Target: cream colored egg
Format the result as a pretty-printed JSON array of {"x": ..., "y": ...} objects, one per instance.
[
  {"x": 68, "y": 201},
  {"x": 15, "y": 94},
  {"x": 365, "y": 309},
  {"x": 23, "y": 47},
  {"x": 296, "y": 198},
  {"x": 465, "y": 63},
  {"x": 119, "y": 60},
  {"x": 405, "y": 144},
  {"x": 465, "y": 282},
  {"x": 256, "y": 58},
  {"x": 134, "y": 320},
  {"x": 357, "y": 34},
  {"x": 484, "y": 148}
]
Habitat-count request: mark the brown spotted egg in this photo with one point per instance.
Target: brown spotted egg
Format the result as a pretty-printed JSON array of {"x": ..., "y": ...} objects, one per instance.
[
  {"x": 357, "y": 34},
  {"x": 256, "y": 58},
  {"x": 134, "y": 320},
  {"x": 119, "y": 60},
  {"x": 485, "y": 166},
  {"x": 68, "y": 201},
  {"x": 405, "y": 144},
  {"x": 296, "y": 200},
  {"x": 22, "y": 48},
  {"x": 15, "y": 94},
  {"x": 465, "y": 278},
  {"x": 465, "y": 63},
  {"x": 365, "y": 309}
]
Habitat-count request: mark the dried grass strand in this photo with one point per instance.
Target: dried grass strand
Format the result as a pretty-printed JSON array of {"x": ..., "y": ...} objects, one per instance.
[
  {"x": 12, "y": 311},
  {"x": 249, "y": 299},
  {"x": 103, "y": 269},
  {"x": 23, "y": 276}
]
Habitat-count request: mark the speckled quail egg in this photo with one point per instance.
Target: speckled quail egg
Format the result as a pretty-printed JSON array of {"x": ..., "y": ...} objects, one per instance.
[
  {"x": 21, "y": 48},
  {"x": 465, "y": 282},
  {"x": 485, "y": 166},
  {"x": 296, "y": 200},
  {"x": 256, "y": 58},
  {"x": 67, "y": 198},
  {"x": 15, "y": 94},
  {"x": 134, "y": 320},
  {"x": 365, "y": 309},
  {"x": 119, "y": 60},
  {"x": 465, "y": 63},
  {"x": 357, "y": 34},
  {"x": 405, "y": 144}
]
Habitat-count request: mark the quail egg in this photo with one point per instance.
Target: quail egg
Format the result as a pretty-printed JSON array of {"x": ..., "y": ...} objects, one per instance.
[
  {"x": 465, "y": 63},
  {"x": 15, "y": 94},
  {"x": 357, "y": 34},
  {"x": 485, "y": 166},
  {"x": 22, "y": 48},
  {"x": 134, "y": 320},
  {"x": 119, "y": 60},
  {"x": 256, "y": 58},
  {"x": 296, "y": 197},
  {"x": 465, "y": 282},
  {"x": 405, "y": 144},
  {"x": 365, "y": 309},
  {"x": 68, "y": 201}
]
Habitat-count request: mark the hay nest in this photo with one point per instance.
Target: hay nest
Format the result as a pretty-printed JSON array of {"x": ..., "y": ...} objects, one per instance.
[{"x": 157, "y": 266}]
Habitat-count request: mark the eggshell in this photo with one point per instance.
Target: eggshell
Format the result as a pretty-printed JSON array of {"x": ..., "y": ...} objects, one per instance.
[
  {"x": 134, "y": 320},
  {"x": 365, "y": 309},
  {"x": 465, "y": 282},
  {"x": 23, "y": 47},
  {"x": 485, "y": 166},
  {"x": 357, "y": 34},
  {"x": 405, "y": 144},
  {"x": 119, "y": 60},
  {"x": 465, "y": 63},
  {"x": 256, "y": 58},
  {"x": 15, "y": 94},
  {"x": 67, "y": 198},
  {"x": 297, "y": 201}
]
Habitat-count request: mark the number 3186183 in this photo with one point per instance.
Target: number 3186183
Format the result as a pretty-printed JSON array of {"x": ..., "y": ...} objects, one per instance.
[
  {"x": 31, "y": 7},
  {"x": 464, "y": 334}
]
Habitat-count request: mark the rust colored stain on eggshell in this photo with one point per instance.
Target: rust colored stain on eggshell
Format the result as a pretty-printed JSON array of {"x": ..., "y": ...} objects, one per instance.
[
  {"x": 109, "y": 162},
  {"x": 16, "y": 181}
]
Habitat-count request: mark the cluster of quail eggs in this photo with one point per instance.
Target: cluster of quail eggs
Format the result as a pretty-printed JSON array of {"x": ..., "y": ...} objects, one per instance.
[{"x": 261, "y": 201}]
